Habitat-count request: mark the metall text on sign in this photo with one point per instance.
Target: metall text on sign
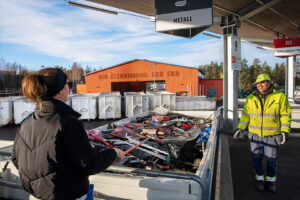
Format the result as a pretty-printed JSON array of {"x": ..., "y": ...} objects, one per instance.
[{"x": 184, "y": 18}]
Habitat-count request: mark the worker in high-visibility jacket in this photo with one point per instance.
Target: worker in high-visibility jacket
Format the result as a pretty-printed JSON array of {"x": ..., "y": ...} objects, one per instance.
[{"x": 267, "y": 116}]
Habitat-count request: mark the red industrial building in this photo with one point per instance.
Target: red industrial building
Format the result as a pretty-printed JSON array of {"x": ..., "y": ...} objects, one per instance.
[
  {"x": 211, "y": 88},
  {"x": 144, "y": 75}
]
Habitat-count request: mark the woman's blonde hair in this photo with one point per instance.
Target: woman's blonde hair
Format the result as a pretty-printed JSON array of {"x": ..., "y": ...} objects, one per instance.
[{"x": 34, "y": 87}]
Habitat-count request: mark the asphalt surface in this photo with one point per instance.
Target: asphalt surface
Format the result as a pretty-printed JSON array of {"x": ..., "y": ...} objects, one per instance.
[{"x": 288, "y": 176}]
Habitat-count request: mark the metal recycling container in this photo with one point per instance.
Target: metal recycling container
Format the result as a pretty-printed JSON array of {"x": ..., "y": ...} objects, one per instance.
[
  {"x": 136, "y": 103},
  {"x": 6, "y": 111},
  {"x": 109, "y": 104},
  {"x": 22, "y": 108},
  {"x": 161, "y": 98},
  {"x": 69, "y": 101},
  {"x": 148, "y": 184},
  {"x": 86, "y": 105},
  {"x": 132, "y": 183},
  {"x": 190, "y": 103}
]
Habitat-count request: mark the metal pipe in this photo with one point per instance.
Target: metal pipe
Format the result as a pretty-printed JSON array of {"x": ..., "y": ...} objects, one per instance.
[
  {"x": 173, "y": 175},
  {"x": 92, "y": 8},
  {"x": 225, "y": 80},
  {"x": 130, "y": 140},
  {"x": 210, "y": 35}
]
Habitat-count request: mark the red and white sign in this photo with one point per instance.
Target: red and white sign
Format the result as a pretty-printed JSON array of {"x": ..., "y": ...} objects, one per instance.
[
  {"x": 287, "y": 47},
  {"x": 236, "y": 53}
]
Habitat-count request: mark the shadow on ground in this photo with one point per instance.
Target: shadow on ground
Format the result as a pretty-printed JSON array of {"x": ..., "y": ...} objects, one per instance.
[{"x": 288, "y": 176}]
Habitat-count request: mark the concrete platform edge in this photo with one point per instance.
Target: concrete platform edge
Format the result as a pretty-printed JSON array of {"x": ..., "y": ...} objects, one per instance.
[{"x": 224, "y": 184}]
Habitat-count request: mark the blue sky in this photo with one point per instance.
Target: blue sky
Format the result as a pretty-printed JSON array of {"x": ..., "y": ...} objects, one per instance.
[{"x": 42, "y": 32}]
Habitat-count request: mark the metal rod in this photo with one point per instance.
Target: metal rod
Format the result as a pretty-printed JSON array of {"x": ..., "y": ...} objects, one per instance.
[
  {"x": 145, "y": 150},
  {"x": 135, "y": 146},
  {"x": 92, "y": 8},
  {"x": 210, "y": 35}
]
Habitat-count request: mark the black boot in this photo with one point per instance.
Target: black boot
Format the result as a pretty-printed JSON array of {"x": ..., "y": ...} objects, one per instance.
[
  {"x": 272, "y": 187},
  {"x": 260, "y": 185}
]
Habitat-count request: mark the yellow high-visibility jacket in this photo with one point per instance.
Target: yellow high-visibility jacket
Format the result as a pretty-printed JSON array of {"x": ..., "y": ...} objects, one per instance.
[{"x": 266, "y": 117}]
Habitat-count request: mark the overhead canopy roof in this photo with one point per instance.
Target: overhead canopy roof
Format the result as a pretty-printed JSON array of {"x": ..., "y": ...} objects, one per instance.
[{"x": 262, "y": 21}]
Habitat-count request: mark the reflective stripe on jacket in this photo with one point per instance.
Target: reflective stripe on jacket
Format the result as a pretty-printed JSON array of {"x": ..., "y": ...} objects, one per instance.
[{"x": 268, "y": 116}]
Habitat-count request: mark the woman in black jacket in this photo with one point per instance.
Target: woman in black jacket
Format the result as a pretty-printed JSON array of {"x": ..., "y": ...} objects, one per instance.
[{"x": 51, "y": 149}]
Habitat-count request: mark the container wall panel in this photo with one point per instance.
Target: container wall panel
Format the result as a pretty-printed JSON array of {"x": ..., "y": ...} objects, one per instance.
[
  {"x": 109, "y": 105},
  {"x": 6, "y": 111},
  {"x": 22, "y": 108}
]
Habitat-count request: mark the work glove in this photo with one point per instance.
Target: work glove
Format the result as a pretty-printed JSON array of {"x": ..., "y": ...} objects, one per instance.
[
  {"x": 284, "y": 137},
  {"x": 238, "y": 133}
]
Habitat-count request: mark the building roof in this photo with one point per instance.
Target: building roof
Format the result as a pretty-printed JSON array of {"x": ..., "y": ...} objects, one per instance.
[
  {"x": 262, "y": 21},
  {"x": 141, "y": 60}
]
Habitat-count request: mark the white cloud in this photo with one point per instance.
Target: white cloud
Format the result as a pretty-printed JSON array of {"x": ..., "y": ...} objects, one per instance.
[
  {"x": 80, "y": 35},
  {"x": 194, "y": 53},
  {"x": 250, "y": 52}
]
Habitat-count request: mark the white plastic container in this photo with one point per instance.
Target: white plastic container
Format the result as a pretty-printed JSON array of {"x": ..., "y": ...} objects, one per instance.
[
  {"x": 22, "y": 108},
  {"x": 191, "y": 103},
  {"x": 6, "y": 111},
  {"x": 161, "y": 98},
  {"x": 109, "y": 104},
  {"x": 69, "y": 101},
  {"x": 86, "y": 105},
  {"x": 136, "y": 103}
]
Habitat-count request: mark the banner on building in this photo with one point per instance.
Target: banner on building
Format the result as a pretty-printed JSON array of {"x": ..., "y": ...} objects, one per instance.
[
  {"x": 184, "y": 18},
  {"x": 287, "y": 47}
]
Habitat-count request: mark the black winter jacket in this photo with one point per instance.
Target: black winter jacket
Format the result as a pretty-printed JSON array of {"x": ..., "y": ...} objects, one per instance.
[{"x": 53, "y": 154}]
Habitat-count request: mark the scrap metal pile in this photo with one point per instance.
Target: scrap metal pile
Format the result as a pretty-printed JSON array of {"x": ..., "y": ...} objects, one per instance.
[{"x": 157, "y": 142}]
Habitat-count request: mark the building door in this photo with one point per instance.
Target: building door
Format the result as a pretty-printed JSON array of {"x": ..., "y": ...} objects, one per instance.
[
  {"x": 137, "y": 86},
  {"x": 212, "y": 92}
]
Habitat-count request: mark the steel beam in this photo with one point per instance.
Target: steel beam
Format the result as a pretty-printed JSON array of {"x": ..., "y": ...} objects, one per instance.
[
  {"x": 290, "y": 77},
  {"x": 259, "y": 9},
  {"x": 278, "y": 13},
  {"x": 232, "y": 50}
]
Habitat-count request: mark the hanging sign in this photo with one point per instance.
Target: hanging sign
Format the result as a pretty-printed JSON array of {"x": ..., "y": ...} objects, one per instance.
[
  {"x": 287, "y": 47},
  {"x": 184, "y": 18},
  {"x": 236, "y": 53}
]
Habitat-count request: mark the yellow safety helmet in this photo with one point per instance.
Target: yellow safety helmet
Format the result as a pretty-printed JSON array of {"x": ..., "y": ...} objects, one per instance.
[{"x": 261, "y": 78}]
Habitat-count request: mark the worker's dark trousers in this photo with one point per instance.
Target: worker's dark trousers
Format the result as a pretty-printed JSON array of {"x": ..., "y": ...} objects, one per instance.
[{"x": 267, "y": 147}]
